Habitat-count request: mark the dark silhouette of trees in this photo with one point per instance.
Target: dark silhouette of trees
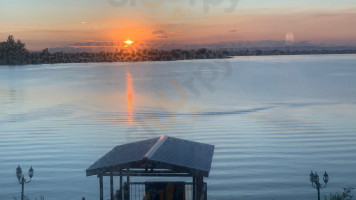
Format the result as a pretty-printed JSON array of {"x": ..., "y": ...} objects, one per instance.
[{"x": 13, "y": 52}]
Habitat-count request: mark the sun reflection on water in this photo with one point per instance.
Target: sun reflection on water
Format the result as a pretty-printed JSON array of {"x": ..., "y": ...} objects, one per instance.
[{"x": 130, "y": 95}]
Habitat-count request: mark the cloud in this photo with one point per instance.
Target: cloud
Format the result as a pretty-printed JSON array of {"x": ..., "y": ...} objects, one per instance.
[
  {"x": 95, "y": 44},
  {"x": 158, "y": 32},
  {"x": 162, "y": 36},
  {"x": 233, "y": 31},
  {"x": 218, "y": 36},
  {"x": 175, "y": 32}
]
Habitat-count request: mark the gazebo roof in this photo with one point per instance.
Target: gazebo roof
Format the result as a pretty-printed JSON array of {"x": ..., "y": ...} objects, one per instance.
[{"x": 176, "y": 155}]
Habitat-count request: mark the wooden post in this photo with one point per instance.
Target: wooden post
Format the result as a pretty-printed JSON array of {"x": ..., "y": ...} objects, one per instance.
[
  {"x": 194, "y": 198},
  {"x": 204, "y": 191},
  {"x": 200, "y": 184},
  {"x": 111, "y": 185},
  {"x": 122, "y": 192},
  {"x": 101, "y": 187},
  {"x": 128, "y": 183}
]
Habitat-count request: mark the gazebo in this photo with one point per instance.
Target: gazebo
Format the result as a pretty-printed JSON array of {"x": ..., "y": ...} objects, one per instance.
[{"x": 160, "y": 157}]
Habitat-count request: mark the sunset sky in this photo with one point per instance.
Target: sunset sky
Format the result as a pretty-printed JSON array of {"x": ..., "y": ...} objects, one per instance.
[{"x": 58, "y": 23}]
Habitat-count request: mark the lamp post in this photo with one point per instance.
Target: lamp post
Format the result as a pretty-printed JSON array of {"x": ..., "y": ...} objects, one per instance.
[
  {"x": 22, "y": 179},
  {"x": 314, "y": 179}
]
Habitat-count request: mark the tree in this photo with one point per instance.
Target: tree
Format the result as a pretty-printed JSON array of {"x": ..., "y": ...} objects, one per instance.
[
  {"x": 343, "y": 196},
  {"x": 13, "y": 53}
]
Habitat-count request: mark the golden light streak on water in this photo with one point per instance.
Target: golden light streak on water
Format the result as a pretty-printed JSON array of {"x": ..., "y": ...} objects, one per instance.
[{"x": 130, "y": 96}]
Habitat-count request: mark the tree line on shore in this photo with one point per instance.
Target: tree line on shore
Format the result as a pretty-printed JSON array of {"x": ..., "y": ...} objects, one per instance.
[{"x": 15, "y": 53}]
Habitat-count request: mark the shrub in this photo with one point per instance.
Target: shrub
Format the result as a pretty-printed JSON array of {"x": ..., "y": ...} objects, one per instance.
[{"x": 341, "y": 196}]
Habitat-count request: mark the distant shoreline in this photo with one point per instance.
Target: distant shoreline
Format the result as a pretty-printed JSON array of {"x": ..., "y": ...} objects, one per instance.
[
  {"x": 44, "y": 57},
  {"x": 15, "y": 53}
]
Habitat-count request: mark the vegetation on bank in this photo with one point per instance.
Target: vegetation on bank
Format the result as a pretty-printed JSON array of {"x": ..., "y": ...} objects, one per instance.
[
  {"x": 346, "y": 195},
  {"x": 15, "y": 53},
  {"x": 28, "y": 198}
]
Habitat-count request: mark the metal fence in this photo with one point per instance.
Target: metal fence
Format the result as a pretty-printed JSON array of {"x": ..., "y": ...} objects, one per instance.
[{"x": 137, "y": 190}]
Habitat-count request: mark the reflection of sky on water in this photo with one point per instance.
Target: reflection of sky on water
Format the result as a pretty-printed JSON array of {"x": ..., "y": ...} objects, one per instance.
[{"x": 271, "y": 122}]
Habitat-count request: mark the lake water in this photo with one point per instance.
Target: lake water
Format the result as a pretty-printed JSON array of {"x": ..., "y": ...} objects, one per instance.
[{"x": 272, "y": 119}]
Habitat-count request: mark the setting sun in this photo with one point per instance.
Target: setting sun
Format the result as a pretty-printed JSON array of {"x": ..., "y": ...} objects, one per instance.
[{"x": 128, "y": 42}]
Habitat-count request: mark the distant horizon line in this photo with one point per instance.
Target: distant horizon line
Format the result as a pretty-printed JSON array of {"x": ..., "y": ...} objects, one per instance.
[
  {"x": 263, "y": 44},
  {"x": 96, "y": 46}
]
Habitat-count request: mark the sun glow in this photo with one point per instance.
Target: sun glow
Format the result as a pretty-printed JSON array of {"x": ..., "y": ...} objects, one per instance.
[{"x": 128, "y": 43}]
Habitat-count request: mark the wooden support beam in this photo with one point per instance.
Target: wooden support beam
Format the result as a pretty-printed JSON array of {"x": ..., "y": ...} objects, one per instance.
[
  {"x": 205, "y": 191},
  {"x": 128, "y": 183},
  {"x": 111, "y": 186},
  {"x": 199, "y": 187},
  {"x": 122, "y": 193},
  {"x": 143, "y": 173},
  {"x": 194, "y": 188},
  {"x": 101, "y": 187}
]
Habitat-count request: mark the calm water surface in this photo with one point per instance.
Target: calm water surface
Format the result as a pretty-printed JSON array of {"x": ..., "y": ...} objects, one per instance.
[{"x": 272, "y": 119}]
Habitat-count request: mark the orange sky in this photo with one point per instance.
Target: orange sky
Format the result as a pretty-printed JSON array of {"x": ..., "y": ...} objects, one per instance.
[{"x": 63, "y": 23}]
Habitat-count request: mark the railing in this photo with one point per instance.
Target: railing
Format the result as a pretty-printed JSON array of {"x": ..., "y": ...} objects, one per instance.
[{"x": 137, "y": 191}]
